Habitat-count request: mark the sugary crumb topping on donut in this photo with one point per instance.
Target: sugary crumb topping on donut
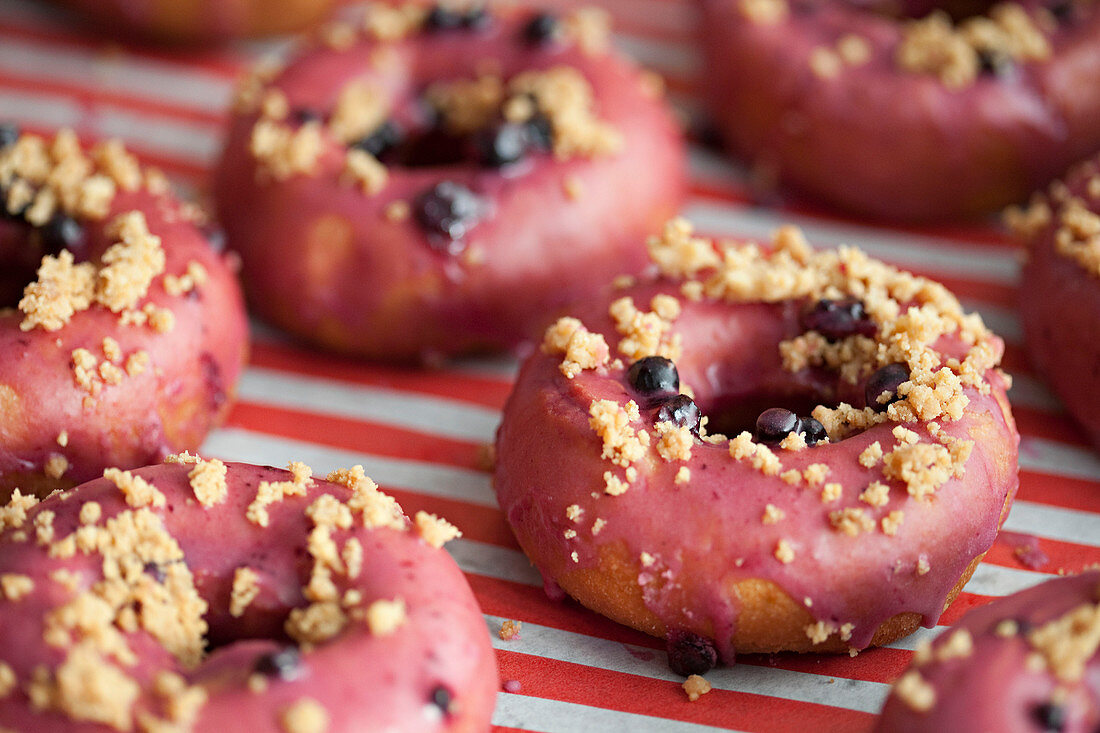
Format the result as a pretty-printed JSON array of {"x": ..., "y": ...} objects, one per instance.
[
  {"x": 397, "y": 211},
  {"x": 8, "y": 681},
  {"x": 870, "y": 456},
  {"x": 283, "y": 151},
  {"x": 246, "y": 586},
  {"x": 1067, "y": 643},
  {"x": 138, "y": 492},
  {"x": 647, "y": 334},
  {"x": 959, "y": 645},
  {"x": 674, "y": 442},
  {"x": 683, "y": 475},
  {"x": 56, "y": 466},
  {"x": 574, "y": 512},
  {"x": 14, "y": 513},
  {"x": 86, "y": 687},
  {"x": 877, "y": 494},
  {"x": 924, "y": 467},
  {"x": 193, "y": 279},
  {"x": 378, "y": 509},
  {"x": 622, "y": 444},
  {"x": 831, "y": 492},
  {"x": 385, "y": 617},
  {"x": 360, "y": 109},
  {"x": 208, "y": 482},
  {"x": 742, "y": 448},
  {"x": 15, "y": 587},
  {"x": 613, "y": 485},
  {"x": 390, "y": 23},
  {"x": 820, "y": 631},
  {"x": 1078, "y": 235},
  {"x": 696, "y": 686},
  {"x": 772, "y": 514},
  {"x": 273, "y": 492},
  {"x": 851, "y": 521},
  {"x": 181, "y": 702},
  {"x": 891, "y": 523},
  {"x": 306, "y": 715},
  {"x": 362, "y": 168},
  {"x": 598, "y": 525},
  {"x": 509, "y": 630},
  {"x": 914, "y": 691},
  {"x": 764, "y": 12},
  {"x": 582, "y": 348},
  {"x": 784, "y": 552},
  {"x": 934, "y": 45},
  {"x": 434, "y": 530},
  {"x": 91, "y": 512},
  {"x": 827, "y": 62}
]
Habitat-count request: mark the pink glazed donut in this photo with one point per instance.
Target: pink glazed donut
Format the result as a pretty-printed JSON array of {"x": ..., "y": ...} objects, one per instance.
[
  {"x": 845, "y": 514},
  {"x": 433, "y": 181},
  {"x": 1060, "y": 290},
  {"x": 122, "y": 330},
  {"x": 905, "y": 119},
  {"x": 203, "y": 21},
  {"x": 205, "y": 596},
  {"x": 1027, "y": 663}
]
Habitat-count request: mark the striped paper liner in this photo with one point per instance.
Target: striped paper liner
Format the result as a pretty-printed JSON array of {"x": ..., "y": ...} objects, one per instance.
[{"x": 423, "y": 434}]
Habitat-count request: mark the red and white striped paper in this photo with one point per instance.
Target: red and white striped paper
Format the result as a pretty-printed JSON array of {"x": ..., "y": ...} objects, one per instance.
[{"x": 421, "y": 434}]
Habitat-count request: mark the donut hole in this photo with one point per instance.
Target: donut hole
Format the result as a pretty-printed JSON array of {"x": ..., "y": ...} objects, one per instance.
[{"x": 734, "y": 414}]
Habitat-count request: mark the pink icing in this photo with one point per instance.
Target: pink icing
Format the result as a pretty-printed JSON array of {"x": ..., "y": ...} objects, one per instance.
[
  {"x": 896, "y": 145},
  {"x": 708, "y": 533},
  {"x": 192, "y": 375},
  {"x": 992, "y": 688},
  {"x": 389, "y": 294},
  {"x": 365, "y": 682}
]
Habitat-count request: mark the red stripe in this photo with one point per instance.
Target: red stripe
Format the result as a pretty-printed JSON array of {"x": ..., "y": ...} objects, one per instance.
[
  {"x": 1064, "y": 557},
  {"x": 477, "y": 390},
  {"x": 629, "y": 693},
  {"x": 1060, "y": 491}
]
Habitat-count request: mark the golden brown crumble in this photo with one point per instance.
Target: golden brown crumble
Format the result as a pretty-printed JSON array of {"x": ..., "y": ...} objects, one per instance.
[
  {"x": 360, "y": 109},
  {"x": 696, "y": 686},
  {"x": 871, "y": 456},
  {"x": 15, "y": 587},
  {"x": 283, "y": 151},
  {"x": 827, "y": 62},
  {"x": 773, "y": 514},
  {"x": 674, "y": 442},
  {"x": 273, "y": 492},
  {"x": 784, "y": 552},
  {"x": 8, "y": 682},
  {"x": 683, "y": 475},
  {"x": 1067, "y": 643},
  {"x": 647, "y": 334},
  {"x": 820, "y": 631},
  {"x": 509, "y": 630},
  {"x": 759, "y": 455},
  {"x": 208, "y": 481},
  {"x": 831, "y": 492},
  {"x": 390, "y": 23},
  {"x": 582, "y": 348},
  {"x": 851, "y": 521},
  {"x": 590, "y": 29},
  {"x": 434, "y": 530},
  {"x": 385, "y": 617},
  {"x": 622, "y": 444},
  {"x": 362, "y": 168},
  {"x": 914, "y": 691},
  {"x": 306, "y": 715},
  {"x": 246, "y": 586},
  {"x": 959, "y": 644},
  {"x": 56, "y": 466},
  {"x": 764, "y": 12},
  {"x": 398, "y": 211},
  {"x": 877, "y": 494}
]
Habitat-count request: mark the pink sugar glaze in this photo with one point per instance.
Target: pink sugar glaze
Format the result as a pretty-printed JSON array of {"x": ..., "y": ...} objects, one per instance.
[
  {"x": 365, "y": 682},
  {"x": 1059, "y": 301},
  {"x": 897, "y": 146},
  {"x": 708, "y": 534},
  {"x": 992, "y": 689},
  {"x": 1026, "y": 549},
  {"x": 185, "y": 391},
  {"x": 322, "y": 260}
]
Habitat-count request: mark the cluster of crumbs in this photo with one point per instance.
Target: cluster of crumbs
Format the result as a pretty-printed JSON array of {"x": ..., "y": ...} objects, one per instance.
[{"x": 1074, "y": 218}]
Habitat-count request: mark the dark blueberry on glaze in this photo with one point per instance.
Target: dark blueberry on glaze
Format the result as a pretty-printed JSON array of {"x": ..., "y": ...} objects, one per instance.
[
  {"x": 690, "y": 653},
  {"x": 886, "y": 379},
  {"x": 996, "y": 64},
  {"x": 540, "y": 133},
  {"x": 1050, "y": 716},
  {"x": 305, "y": 115},
  {"x": 440, "y": 18},
  {"x": 838, "y": 319},
  {"x": 1062, "y": 10},
  {"x": 654, "y": 376},
  {"x": 442, "y": 699},
  {"x": 680, "y": 410},
  {"x": 543, "y": 28},
  {"x": 773, "y": 424},
  {"x": 387, "y": 136},
  {"x": 286, "y": 664},
  {"x": 9, "y": 133},
  {"x": 62, "y": 232},
  {"x": 501, "y": 144},
  {"x": 449, "y": 209},
  {"x": 813, "y": 431}
]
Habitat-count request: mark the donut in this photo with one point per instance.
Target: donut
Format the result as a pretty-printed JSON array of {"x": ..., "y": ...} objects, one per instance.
[
  {"x": 1027, "y": 662},
  {"x": 122, "y": 330},
  {"x": 906, "y": 115},
  {"x": 873, "y": 457},
  {"x": 1060, "y": 289},
  {"x": 201, "y": 595},
  {"x": 202, "y": 21},
  {"x": 431, "y": 182}
]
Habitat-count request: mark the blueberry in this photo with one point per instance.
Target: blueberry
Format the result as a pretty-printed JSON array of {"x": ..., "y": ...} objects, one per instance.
[
  {"x": 62, "y": 232},
  {"x": 304, "y": 115},
  {"x": 442, "y": 698},
  {"x": 286, "y": 664},
  {"x": 812, "y": 430},
  {"x": 385, "y": 137},
  {"x": 1062, "y": 10},
  {"x": 993, "y": 63},
  {"x": 774, "y": 424},
  {"x": 501, "y": 144},
  {"x": 654, "y": 376},
  {"x": 1051, "y": 716},
  {"x": 680, "y": 410},
  {"x": 838, "y": 319},
  {"x": 690, "y": 653},
  {"x": 540, "y": 133},
  {"x": 440, "y": 18},
  {"x": 886, "y": 379},
  {"x": 542, "y": 28},
  {"x": 9, "y": 133},
  {"x": 449, "y": 209}
]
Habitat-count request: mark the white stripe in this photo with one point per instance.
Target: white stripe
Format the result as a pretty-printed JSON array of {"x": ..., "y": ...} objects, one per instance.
[
  {"x": 196, "y": 143},
  {"x": 235, "y": 444},
  {"x": 1058, "y": 459},
  {"x": 433, "y": 415},
  {"x": 116, "y": 73},
  {"x": 492, "y": 561},
  {"x": 567, "y": 646},
  {"x": 994, "y": 580},
  {"x": 555, "y": 716},
  {"x": 39, "y": 110},
  {"x": 704, "y": 163},
  {"x": 1056, "y": 523},
  {"x": 925, "y": 253}
]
